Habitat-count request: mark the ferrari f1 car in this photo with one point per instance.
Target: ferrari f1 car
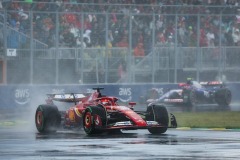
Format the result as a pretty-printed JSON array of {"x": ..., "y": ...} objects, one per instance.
[
  {"x": 193, "y": 92},
  {"x": 96, "y": 113}
]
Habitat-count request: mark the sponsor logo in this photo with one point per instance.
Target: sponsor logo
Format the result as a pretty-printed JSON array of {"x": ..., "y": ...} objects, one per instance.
[
  {"x": 77, "y": 112},
  {"x": 151, "y": 123},
  {"x": 98, "y": 121},
  {"x": 111, "y": 110},
  {"x": 71, "y": 115},
  {"x": 215, "y": 82},
  {"x": 173, "y": 100},
  {"x": 160, "y": 91},
  {"x": 206, "y": 94},
  {"x": 122, "y": 108},
  {"x": 125, "y": 123},
  {"x": 90, "y": 90},
  {"x": 125, "y": 94},
  {"x": 22, "y": 96}
]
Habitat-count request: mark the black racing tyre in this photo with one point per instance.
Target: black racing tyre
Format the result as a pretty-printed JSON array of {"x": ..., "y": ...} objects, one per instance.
[
  {"x": 47, "y": 118},
  {"x": 94, "y": 119},
  {"x": 189, "y": 97},
  {"x": 159, "y": 114},
  {"x": 223, "y": 97}
]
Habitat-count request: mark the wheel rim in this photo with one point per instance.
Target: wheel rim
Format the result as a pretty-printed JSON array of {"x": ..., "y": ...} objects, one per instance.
[
  {"x": 39, "y": 119},
  {"x": 88, "y": 121}
]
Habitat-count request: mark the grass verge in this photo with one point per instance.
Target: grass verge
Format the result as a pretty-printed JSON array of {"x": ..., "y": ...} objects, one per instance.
[{"x": 228, "y": 120}]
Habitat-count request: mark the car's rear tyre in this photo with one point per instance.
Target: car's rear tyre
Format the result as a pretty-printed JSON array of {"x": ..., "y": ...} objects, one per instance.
[
  {"x": 159, "y": 114},
  {"x": 223, "y": 97},
  {"x": 94, "y": 120},
  {"x": 47, "y": 118}
]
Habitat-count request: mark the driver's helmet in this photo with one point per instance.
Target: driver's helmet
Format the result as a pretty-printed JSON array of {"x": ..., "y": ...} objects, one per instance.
[
  {"x": 189, "y": 81},
  {"x": 106, "y": 102}
]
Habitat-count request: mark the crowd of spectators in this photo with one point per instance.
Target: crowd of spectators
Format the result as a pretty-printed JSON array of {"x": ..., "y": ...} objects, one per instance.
[{"x": 70, "y": 28}]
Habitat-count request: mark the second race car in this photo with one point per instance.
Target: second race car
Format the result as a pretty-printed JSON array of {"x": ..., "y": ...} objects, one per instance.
[
  {"x": 192, "y": 92},
  {"x": 97, "y": 113}
]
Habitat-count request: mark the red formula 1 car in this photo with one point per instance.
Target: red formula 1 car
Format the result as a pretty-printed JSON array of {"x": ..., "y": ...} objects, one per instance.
[{"x": 97, "y": 113}]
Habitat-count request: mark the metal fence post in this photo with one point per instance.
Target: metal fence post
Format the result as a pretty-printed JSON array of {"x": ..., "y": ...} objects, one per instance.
[
  {"x": 198, "y": 46},
  {"x": 57, "y": 48},
  {"x": 31, "y": 47},
  {"x": 175, "y": 51},
  {"x": 5, "y": 48},
  {"x": 153, "y": 44}
]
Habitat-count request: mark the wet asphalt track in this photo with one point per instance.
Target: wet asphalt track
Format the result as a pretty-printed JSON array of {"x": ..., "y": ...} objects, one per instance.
[{"x": 23, "y": 144}]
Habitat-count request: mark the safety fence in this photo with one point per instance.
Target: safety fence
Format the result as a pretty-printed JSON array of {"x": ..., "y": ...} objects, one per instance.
[
  {"x": 116, "y": 65},
  {"x": 50, "y": 43}
]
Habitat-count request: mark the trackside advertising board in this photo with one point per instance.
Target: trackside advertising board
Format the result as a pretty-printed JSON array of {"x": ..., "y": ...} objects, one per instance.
[{"x": 12, "y": 96}]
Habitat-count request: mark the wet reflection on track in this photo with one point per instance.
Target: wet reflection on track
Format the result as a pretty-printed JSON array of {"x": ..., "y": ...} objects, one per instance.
[
  {"x": 136, "y": 144},
  {"x": 141, "y": 138}
]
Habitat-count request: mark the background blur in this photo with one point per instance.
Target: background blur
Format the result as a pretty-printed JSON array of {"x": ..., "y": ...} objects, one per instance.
[{"x": 119, "y": 41}]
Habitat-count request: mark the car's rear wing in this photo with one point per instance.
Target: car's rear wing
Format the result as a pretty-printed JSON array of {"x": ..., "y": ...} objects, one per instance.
[
  {"x": 67, "y": 97},
  {"x": 212, "y": 83}
]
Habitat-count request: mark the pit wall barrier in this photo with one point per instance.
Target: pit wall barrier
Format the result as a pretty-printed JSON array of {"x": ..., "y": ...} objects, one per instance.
[{"x": 20, "y": 96}]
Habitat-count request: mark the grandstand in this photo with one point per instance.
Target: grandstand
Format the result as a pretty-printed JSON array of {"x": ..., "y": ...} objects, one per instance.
[{"x": 119, "y": 41}]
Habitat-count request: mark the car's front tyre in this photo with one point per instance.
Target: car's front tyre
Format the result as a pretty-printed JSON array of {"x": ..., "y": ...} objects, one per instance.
[
  {"x": 94, "y": 119},
  {"x": 223, "y": 97},
  {"x": 159, "y": 114}
]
